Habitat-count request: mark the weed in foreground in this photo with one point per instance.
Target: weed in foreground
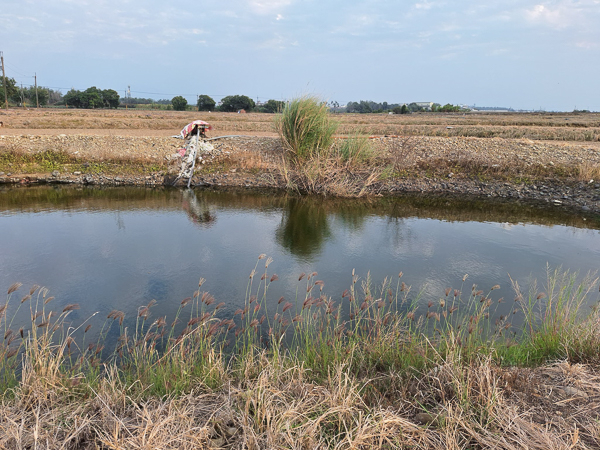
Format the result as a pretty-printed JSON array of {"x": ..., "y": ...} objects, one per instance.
[{"x": 312, "y": 372}]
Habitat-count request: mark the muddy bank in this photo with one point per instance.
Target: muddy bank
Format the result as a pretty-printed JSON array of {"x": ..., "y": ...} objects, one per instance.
[{"x": 579, "y": 196}]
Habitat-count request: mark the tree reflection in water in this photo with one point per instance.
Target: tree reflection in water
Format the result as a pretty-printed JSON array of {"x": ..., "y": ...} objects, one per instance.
[
  {"x": 197, "y": 210},
  {"x": 304, "y": 227}
]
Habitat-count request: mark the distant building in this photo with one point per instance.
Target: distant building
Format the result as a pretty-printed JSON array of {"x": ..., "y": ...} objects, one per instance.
[{"x": 427, "y": 106}]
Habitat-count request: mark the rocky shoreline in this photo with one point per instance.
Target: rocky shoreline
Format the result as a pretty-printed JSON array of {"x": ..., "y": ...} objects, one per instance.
[{"x": 578, "y": 197}]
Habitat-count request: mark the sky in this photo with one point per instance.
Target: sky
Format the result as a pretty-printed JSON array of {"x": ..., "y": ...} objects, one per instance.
[{"x": 512, "y": 53}]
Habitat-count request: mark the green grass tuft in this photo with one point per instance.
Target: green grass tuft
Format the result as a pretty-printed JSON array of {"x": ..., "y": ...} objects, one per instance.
[{"x": 306, "y": 128}]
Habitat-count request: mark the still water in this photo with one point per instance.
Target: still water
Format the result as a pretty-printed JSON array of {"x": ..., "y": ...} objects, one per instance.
[{"x": 119, "y": 248}]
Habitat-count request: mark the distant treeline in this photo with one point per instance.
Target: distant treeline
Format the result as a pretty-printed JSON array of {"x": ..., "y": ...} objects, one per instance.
[
  {"x": 18, "y": 96},
  {"x": 368, "y": 106},
  {"x": 93, "y": 97}
]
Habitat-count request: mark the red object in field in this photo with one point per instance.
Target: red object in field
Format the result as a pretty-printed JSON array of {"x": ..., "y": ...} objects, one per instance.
[{"x": 190, "y": 128}]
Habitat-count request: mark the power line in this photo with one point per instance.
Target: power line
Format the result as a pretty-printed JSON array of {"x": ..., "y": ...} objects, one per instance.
[{"x": 15, "y": 69}]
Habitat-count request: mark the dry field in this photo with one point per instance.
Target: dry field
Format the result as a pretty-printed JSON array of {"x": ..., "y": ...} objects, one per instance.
[{"x": 534, "y": 126}]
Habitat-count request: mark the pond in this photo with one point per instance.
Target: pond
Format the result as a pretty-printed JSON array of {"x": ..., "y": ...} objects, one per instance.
[{"x": 119, "y": 248}]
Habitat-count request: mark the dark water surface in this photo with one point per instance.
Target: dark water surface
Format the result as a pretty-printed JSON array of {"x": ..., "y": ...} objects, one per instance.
[{"x": 119, "y": 248}]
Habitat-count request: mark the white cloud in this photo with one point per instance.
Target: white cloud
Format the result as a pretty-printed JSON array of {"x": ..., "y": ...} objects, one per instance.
[
  {"x": 565, "y": 13},
  {"x": 587, "y": 45},
  {"x": 268, "y": 6},
  {"x": 555, "y": 17},
  {"x": 425, "y": 5}
]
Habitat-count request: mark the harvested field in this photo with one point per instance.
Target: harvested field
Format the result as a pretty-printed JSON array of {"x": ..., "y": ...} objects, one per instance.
[{"x": 536, "y": 126}]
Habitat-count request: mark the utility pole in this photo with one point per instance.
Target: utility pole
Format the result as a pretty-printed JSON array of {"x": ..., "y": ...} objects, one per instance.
[
  {"x": 22, "y": 96},
  {"x": 37, "y": 101},
  {"x": 4, "y": 80}
]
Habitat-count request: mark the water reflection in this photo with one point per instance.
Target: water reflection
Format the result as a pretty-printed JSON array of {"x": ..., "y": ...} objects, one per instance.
[
  {"x": 304, "y": 227},
  {"x": 119, "y": 248},
  {"x": 197, "y": 209}
]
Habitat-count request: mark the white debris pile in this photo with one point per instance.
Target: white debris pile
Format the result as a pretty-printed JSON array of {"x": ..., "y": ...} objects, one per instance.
[{"x": 195, "y": 150}]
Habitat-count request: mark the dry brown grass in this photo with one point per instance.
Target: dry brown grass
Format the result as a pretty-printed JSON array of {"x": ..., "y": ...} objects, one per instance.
[
  {"x": 451, "y": 407},
  {"x": 331, "y": 175},
  {"x": 588, "y": 171}
]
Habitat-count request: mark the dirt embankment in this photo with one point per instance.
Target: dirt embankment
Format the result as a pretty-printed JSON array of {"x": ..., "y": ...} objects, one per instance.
[{"x": 118, "y": 147}]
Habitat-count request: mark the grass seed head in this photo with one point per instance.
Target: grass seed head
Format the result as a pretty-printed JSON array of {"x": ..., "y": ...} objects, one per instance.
[
  {"x": 13, "y": 287},
  {"x": 71, "y": 307}
]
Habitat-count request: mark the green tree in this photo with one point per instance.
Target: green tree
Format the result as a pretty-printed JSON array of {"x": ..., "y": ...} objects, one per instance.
[
  {"x": 91, "y": 98},
  {"x": 272, "y": 106},
  {"x": 413, "y": 107},
  {"x": 233, "y": 103},
  {"x": 206, "y": 103},
  {"x": 400, "y": 109},
  {"x": 43, "y": 94},
  {"x": 449, "y": 108},
  {"x": 73, "y": 98},
  {"x": 179, "y": 103},
  {"x": 12, "y": 91},
  {"x": 110, "y": 98}
]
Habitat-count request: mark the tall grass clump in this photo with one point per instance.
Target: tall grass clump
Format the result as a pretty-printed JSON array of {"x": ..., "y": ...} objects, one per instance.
[
  {"x": 355, "y": 149},
  {"x": 306, "y": 128},
  {"x": 312, "y": 163}
]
